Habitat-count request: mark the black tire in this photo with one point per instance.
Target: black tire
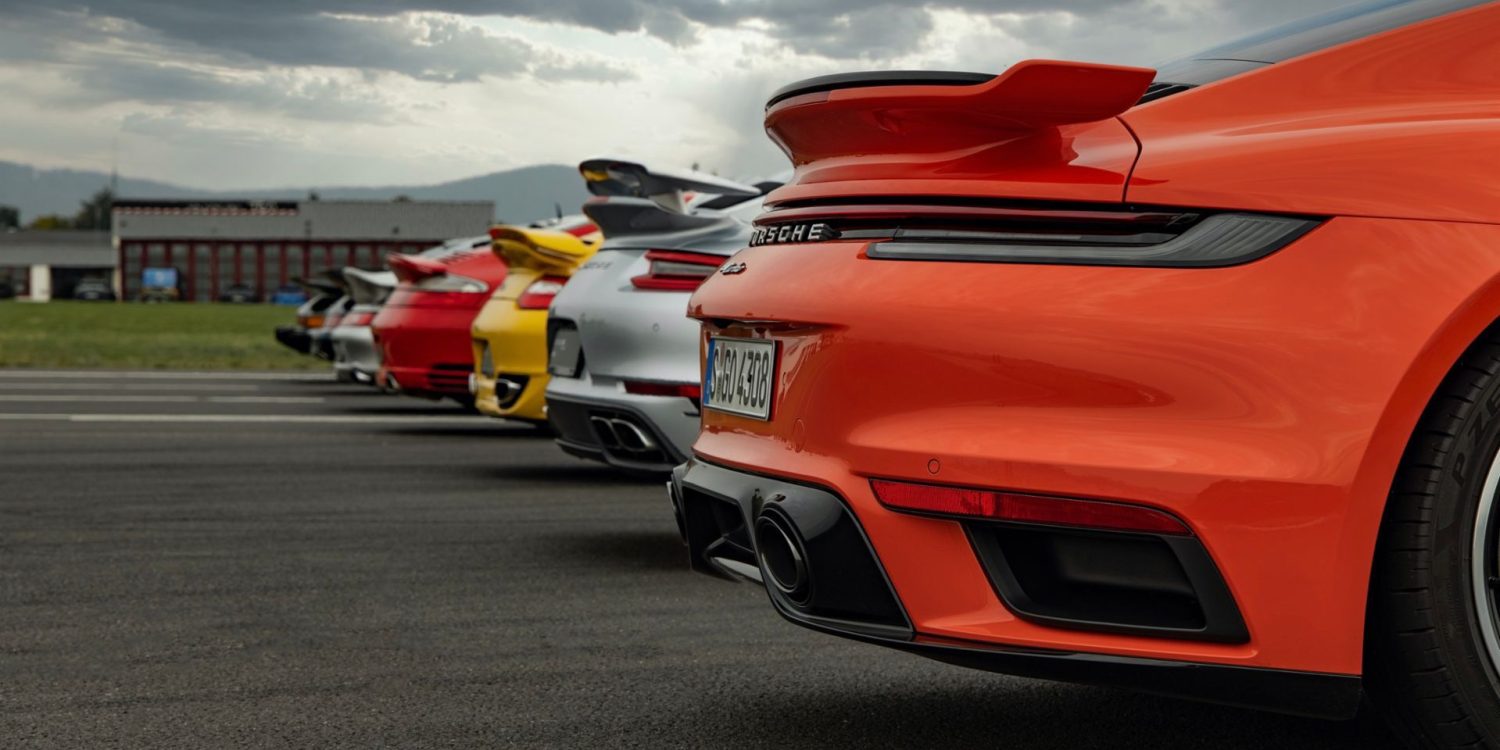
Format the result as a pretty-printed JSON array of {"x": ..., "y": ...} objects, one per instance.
[{"x": 1428, "y": 668}]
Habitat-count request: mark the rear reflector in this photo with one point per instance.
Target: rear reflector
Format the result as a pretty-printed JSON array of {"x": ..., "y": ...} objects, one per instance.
[
  {"x": 539, "y": 295},
  {"x": 1019, "y": 508},
  {"x": 677, "y": 271},
  {"x": 692, "y": 391}
]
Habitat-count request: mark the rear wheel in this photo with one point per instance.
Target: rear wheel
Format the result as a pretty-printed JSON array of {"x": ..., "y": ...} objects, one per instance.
[{"x": 1433, "y": 643}]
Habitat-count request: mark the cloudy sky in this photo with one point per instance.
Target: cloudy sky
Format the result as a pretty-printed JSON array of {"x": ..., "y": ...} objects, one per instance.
[{"x": 236, "y": 94}]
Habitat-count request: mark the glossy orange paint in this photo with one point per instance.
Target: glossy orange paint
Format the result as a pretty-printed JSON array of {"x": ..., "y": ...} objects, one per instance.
[
  {"x": 969, "y": 140},
  {"x": 1266, "y": 404},
  {"x": 1402, "y": 124}
]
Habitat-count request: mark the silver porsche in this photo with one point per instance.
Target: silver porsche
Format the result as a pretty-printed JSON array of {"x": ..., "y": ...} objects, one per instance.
[{"x": 624, "y": 385}]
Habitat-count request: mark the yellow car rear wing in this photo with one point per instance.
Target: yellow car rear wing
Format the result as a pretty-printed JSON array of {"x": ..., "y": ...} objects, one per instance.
[{"x": 546, "y": 250}]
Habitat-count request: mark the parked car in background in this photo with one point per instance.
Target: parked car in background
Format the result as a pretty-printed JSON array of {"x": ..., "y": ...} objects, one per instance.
[
  {"x": 624, "y": 386},
  {"x": 510, "y": 331},
  {"x": 318, "y": 298},
  {"x": 321, "y": 338},
  {"x": 1184, "y": 381},
  {"x": 355, "y": 356},
  {"x": 288, "y": 294},
  {"x": 94, "y": 290},
  {"x": 422, "y": 330},
  {"x": 238, "y": 293}
]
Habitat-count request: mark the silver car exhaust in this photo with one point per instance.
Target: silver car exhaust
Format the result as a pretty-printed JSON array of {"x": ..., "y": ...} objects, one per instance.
[{"x": 622, "y": 435}]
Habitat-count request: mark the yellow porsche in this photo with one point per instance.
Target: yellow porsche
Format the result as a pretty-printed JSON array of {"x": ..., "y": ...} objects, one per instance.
[{"x": 510, "y": 332}]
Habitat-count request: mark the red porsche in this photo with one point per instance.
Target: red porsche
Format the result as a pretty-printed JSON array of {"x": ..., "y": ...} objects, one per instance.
[{"x": 422, "y": 330}]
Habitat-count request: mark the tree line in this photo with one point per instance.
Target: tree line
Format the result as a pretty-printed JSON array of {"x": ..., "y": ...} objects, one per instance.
[{"x": 93, "y": 213}]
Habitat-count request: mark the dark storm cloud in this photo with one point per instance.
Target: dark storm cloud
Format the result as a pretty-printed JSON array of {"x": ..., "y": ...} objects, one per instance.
[
  {"x": 376, "y": 35},
  {"x": 308, "y": 98},
  {"x": 380, "y": 35},
  {"x": 373, "y": 37}
]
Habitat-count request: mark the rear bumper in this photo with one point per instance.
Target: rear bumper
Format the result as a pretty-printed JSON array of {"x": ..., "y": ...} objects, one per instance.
[
  {"x": 320, "y": 343},
  {"x": 517, "y": 343},
  {"x": 294, "y": 338},
  {"x": 613, "y": 433},
  {"x": 425, "y": 350},
  {"x": 584, "y": 412},
  {"x": 355, "y": 357},
  {"x": 440, "y": 381},
  {"x": 718, "y": 507},
  {"x": 510, "y": 396}
]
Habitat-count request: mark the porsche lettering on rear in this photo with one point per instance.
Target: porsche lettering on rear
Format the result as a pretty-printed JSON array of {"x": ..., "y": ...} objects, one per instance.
[{"x": 783, "y": 233}]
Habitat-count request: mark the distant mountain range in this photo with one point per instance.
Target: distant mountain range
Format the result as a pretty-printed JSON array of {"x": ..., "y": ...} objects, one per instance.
[{"x": 519, "y": 194}]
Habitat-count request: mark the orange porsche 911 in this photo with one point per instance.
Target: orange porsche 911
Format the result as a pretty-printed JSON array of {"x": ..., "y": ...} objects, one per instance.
[{"x": 1182, "y": 380}]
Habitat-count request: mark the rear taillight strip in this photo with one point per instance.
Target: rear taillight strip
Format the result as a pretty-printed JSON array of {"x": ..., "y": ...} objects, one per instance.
[
  {"x": 998, "y": 505},
  {"x": 676, "y": 270},
  {"x": 1219, "y": 240},
  {"x": 540, "y": 293},
  {"x": 1043, "y": 233}
]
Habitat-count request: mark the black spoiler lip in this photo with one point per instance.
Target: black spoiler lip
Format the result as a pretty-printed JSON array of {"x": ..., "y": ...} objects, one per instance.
[
  {"x": 623, "y": 216},
  {"x": 316, "y": 286},
  {"x": 650, "y": 181},
  {"x": 867, "y": 79}
]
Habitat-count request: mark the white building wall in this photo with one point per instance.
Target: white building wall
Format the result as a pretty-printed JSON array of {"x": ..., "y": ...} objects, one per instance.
[{"x": 41, "y": 282}]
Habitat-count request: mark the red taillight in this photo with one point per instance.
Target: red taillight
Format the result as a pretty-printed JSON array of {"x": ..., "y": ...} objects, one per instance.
[
  {"x": 539, "y": 294},
  {"x": 693, "y": 391},
  {"x": 1011, "y": 506},
  {"x": 312, "y": 321},
  {"x": 582, "y": 230},
  {"x": 428, "y": 298},
  {"x": 677, "y": 271},
  {"x": 357, "y": 319}
]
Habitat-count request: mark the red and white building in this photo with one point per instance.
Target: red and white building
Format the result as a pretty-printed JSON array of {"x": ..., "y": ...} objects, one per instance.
[{"x": 267, "y": 244}]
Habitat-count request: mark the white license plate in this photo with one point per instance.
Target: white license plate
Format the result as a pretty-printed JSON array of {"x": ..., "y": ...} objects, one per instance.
[{"x": 740, "y": 376}]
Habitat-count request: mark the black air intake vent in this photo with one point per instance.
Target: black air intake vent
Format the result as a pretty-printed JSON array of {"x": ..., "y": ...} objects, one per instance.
[{"x": 1162, "y": 89}]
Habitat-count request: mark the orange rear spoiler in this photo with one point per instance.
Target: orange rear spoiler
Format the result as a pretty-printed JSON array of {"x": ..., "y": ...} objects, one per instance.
[{"x": 904, "y": 112}]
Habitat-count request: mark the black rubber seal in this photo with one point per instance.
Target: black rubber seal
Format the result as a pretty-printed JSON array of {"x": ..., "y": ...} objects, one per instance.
[{"x": 878, "y": 78}]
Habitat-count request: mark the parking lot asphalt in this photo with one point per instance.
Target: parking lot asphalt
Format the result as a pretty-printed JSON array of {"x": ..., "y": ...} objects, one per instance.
[{"x": 209, "y": 560}]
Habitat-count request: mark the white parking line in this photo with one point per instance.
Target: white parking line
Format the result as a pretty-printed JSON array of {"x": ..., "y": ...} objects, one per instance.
[
  {"x": 265, "y": 399},
  {"x": 130, "y": 398},
  {"x": 261, "y": 418},
  {"x": 54, "y": 398},
  {"x": 293, "y": 377},
  {"x": 212, "y": 387}
]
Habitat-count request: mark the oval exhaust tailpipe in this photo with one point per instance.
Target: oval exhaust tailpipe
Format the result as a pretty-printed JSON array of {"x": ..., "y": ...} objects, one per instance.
[{"x": 782, "y": 556}]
